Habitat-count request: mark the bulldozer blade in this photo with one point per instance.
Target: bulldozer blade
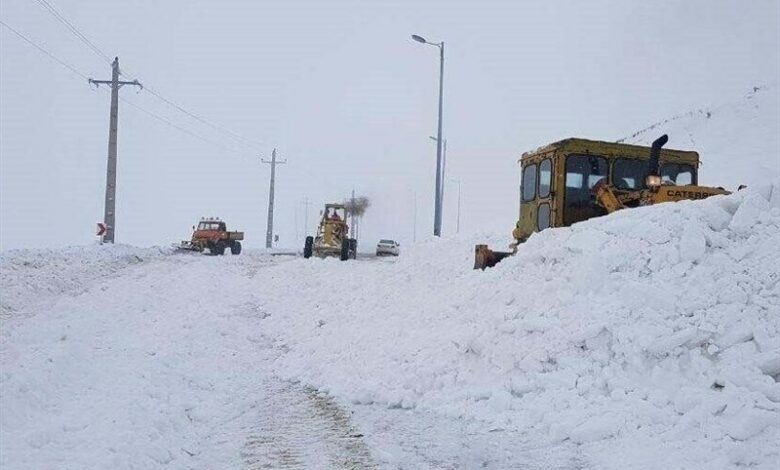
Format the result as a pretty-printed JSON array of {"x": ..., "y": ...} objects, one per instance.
[{"x": 484, "y": 257}]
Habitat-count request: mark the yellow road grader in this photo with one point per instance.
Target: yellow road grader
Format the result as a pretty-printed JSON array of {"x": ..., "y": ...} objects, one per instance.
[
  {"x": 332, "y": 237},
  {"x": 577, "y": 179}
]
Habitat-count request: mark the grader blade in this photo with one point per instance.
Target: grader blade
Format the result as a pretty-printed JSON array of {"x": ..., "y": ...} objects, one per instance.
[{"x": 484, "y": 257}]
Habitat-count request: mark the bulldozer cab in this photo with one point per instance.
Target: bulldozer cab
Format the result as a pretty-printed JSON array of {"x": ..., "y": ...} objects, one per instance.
[
  {"x": 333, "y": 226},
  {"x": 557, "y": 181}
]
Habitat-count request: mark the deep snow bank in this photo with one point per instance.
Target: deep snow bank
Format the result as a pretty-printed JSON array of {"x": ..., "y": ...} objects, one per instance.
[
  {"x": 651, "y": 336},
  {"x": 26, "y": 275},
  {"x": 159, "y": 365}
]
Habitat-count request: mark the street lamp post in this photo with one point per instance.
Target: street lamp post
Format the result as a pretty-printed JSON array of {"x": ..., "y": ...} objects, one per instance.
[
  {"x": 439, "y": 141},
  {"x": 443, "y": 176}
]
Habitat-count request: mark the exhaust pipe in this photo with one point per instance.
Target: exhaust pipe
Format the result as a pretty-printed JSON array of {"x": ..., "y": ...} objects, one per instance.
[{"x": 655, "y": 155}]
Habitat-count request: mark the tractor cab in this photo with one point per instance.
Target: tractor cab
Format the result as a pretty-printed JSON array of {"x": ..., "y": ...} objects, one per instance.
[
  {"x": 557, "y": 181},
  {"x": 214, "y": 225}
]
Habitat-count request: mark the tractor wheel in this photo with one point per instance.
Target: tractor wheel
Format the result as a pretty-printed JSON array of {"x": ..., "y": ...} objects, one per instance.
[
  {"x": 345, "y": 255},
  {"x": 219, "y": 249},
  {"x": 308, "y": 247},
  {"x": 235, "y": 248},
  {"x": 353, "y": 248}
]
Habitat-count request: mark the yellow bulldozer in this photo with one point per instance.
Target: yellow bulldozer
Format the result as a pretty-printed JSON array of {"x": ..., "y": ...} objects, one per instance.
[
  {"x": 332, "y": 237},
  {"x": 577, "y": 179}
]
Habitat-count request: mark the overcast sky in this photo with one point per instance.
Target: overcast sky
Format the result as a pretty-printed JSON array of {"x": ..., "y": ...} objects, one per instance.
[{"x": 347, "y": 98}]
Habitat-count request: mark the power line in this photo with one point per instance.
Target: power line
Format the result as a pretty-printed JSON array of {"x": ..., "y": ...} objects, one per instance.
[
  {"x": 165, "y": 121},
  {"x": 177, "y": 127},
  {"x": 134, "y": 105},
  {"x": 59, "y": 17},
  {"x": 41, "y": 49},
  {"x": 236, "y": 137},
  {"x": 233, "y": 135}
]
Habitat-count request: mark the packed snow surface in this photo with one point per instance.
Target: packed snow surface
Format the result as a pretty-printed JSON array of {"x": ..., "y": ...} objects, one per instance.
[{"x": 649, "y": 338}]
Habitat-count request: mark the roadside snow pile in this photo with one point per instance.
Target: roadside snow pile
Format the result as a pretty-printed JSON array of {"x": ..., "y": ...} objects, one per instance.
[
  {"x": 738, "y": 141},
  {"x": 26, "y": 275},
  {"x": 158, "y": 365},
  {"x": 651, "y": 336}
]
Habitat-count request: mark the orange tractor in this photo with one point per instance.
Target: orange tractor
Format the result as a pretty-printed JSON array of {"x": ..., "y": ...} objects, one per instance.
[{"x": 212, "y": 234}]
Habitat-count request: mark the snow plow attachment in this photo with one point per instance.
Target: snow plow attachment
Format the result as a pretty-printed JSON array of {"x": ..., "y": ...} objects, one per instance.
[
  {"x": 187, "y": 245},
  {"x": 484, "y": 257}
]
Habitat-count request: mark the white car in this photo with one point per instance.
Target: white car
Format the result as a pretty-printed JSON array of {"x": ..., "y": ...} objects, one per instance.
[{"x": 388, "y": 248}]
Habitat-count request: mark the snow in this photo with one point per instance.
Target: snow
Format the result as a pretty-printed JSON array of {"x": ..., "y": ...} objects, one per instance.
[
  {"x": 609, "y": 335},
  {"x": 646, "y": 339},
  {"x": 657, "y": 325},
  {"x": 737, "y": 140},
  {"x": 26, "y": 274}
]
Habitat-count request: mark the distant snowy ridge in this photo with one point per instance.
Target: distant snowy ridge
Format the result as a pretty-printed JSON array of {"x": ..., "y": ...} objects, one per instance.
[
  {"x": 645, "y": 136},
  {"x": 738, "y": 141}
]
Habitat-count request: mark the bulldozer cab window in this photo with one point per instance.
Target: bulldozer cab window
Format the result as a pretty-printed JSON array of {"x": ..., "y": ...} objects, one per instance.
[
  {"x": 209, "y": 225},
  {"x": 545, "y": 178},
  {"x": 582, "y": 173},
  {"x": 543, "y": 216},
  {"x": 629, "y": 174},
  {"x": 679, "y": 174},
  {"x": 529, "y": 183}
]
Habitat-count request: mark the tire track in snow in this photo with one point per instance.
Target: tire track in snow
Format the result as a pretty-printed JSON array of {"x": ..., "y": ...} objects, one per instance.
[{"x": 301, "y": 428}]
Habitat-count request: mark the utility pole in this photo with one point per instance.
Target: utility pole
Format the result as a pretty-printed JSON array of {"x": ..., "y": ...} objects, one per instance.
[
  {"x": 109, "y": 208},
  {"x": 269, "y": 234}
]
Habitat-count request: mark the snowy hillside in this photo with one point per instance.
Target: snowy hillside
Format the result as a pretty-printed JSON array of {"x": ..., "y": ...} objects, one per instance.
[{"x": 738, "y": 141}]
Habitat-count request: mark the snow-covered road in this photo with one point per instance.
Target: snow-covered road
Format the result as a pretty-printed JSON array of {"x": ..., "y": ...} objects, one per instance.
[{"x": 164, "y": 361}]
